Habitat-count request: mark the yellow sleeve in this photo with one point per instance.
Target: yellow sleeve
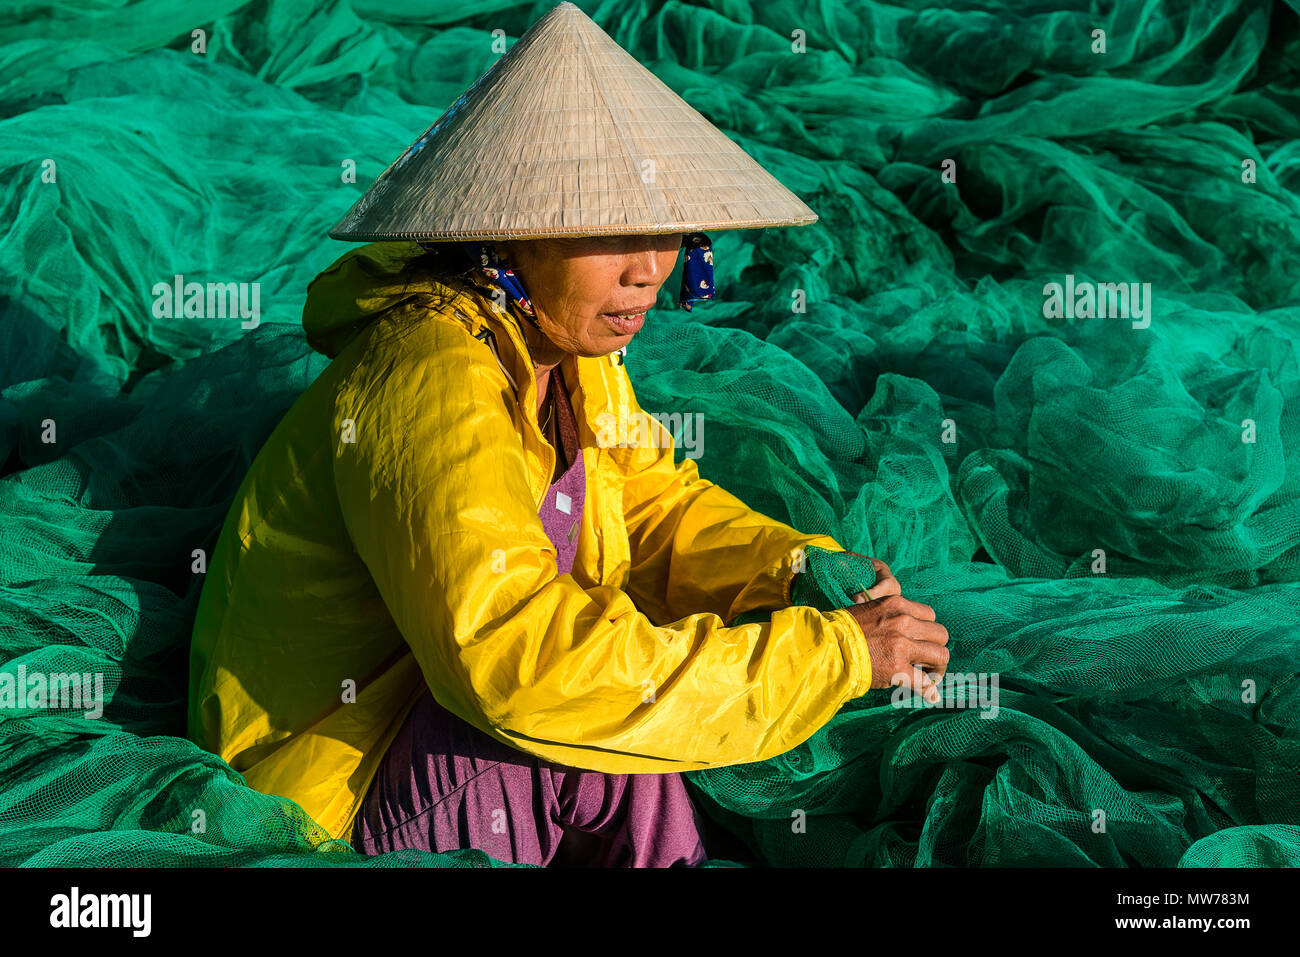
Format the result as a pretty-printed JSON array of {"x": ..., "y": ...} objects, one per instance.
[
  {"x": 695, "y": 546},
  {"x": 434, "y": 495}
]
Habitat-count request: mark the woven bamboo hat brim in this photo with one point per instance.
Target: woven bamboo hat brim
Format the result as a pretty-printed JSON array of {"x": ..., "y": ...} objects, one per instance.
[{"x": 568, "y": 135}]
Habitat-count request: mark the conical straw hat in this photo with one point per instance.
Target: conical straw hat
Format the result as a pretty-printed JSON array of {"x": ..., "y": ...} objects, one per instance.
[{"x": 568, "y": 135}]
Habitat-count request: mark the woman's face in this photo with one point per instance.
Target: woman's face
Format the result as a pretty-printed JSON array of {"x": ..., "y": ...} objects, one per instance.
[{"x": 577, "y": 286}]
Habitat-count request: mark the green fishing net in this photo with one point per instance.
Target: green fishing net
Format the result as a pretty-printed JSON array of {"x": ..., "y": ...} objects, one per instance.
[{"x": 1100, "y": 503}]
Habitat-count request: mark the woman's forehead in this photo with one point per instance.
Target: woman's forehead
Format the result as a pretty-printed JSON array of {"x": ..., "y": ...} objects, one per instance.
[{"x": 622, "y": 241}]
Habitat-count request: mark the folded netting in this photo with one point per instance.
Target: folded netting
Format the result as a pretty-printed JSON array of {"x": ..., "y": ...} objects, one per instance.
[{"x": 1102, "y": 507}]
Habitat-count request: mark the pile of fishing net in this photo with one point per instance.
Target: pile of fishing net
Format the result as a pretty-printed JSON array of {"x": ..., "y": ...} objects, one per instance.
[{"x": 1098, "y": 492}]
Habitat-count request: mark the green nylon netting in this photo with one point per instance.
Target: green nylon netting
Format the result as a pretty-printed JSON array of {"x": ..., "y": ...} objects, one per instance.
[{"x": 921, "y": 408}]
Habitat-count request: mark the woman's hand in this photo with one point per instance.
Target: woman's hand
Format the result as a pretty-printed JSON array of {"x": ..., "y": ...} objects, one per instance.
[
  {"x": 886, "y": 583},
  {"x": 906, "y": 645}
]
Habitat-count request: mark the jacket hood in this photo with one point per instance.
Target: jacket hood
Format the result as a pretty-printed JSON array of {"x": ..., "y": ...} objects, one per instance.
[{"x": 357, "y": 288}]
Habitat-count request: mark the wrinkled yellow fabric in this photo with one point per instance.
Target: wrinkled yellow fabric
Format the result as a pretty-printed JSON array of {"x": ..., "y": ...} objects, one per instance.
[{"x": 386, "y": 539}]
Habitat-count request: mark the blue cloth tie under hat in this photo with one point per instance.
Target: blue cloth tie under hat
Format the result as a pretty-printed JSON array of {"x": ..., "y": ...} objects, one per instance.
[{"x": 697, "y": 273}]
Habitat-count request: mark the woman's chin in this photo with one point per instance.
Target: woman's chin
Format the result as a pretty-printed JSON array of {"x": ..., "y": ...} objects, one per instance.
[
  {"x": 608, "y": 350},
  {"x": 607, "y": 342}
]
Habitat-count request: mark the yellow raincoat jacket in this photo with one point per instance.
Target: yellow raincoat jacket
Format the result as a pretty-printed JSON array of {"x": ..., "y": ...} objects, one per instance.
[{"x": 387, "y": 540}]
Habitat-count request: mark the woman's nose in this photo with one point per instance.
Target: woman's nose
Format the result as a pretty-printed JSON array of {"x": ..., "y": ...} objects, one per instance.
[
  {"x": 643, "y": 268},
  {"x": 649, "y": 259}
]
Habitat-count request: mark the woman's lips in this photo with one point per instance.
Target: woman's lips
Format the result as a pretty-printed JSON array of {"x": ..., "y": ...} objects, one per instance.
[{"x": 625, "y": 326}]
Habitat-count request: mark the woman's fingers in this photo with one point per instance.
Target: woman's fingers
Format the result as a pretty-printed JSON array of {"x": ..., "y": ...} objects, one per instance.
[
  {"x": 919, "y": 682},
  {"x": 898, "y": 605},
  {"x": 884, "y": 587},
  {"x": 886, "y": 583},
  {"x": 929, "y": 686},
  {"x": 930, "y": 657}
]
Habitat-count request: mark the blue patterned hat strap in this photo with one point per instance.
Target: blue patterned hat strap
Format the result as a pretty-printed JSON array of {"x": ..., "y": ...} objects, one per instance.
[
  {"x": 499, "y": 272},
  {"x": 697, "y": 271}
]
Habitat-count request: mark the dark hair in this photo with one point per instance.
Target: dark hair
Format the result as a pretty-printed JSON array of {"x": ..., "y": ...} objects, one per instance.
[
  {"x": 450, "y": 263},
  {"x": 447, "y": 258}
]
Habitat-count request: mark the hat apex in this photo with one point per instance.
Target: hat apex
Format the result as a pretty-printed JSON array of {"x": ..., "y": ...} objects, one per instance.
[{"x": 568, "y": 135}]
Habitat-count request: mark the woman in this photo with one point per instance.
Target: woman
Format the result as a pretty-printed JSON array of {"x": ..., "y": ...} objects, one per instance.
[{"x": 444, "y": 610}]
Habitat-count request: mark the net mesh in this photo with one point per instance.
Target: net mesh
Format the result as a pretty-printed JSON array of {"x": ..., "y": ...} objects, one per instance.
[{"x": 1102, "y": 511}]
